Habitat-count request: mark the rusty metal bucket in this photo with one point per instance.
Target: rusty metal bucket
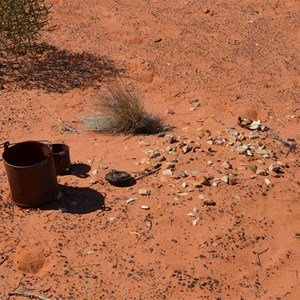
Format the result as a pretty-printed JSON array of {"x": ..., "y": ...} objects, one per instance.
[
  {"x": 61, "y": 154},
  {"x": 31, "y": 173}
]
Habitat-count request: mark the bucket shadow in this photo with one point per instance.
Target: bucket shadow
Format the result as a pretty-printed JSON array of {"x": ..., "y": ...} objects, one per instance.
[
  {"x": 56, "y": 70},
  {"x": 75, "y": 200},
  {"x": 79, "y": 170}
]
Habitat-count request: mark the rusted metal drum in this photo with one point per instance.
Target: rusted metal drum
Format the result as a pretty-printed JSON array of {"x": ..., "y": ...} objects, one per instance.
[
  {"x": 31, "y": 173},
  {"x": 61, "y": 154}
]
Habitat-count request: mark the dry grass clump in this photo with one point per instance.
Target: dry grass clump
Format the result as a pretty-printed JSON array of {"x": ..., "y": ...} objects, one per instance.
[{"x": 122, "y": 112}]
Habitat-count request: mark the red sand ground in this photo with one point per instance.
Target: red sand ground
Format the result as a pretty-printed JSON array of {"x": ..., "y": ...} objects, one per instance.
[{"x": 236, "y": 58}]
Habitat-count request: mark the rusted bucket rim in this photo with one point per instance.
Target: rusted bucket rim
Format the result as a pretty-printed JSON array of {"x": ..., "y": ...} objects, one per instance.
[{"x": 44, "y": 142}]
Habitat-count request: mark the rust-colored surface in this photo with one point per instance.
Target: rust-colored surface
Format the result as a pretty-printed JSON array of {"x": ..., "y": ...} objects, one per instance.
[{"x": 201, "y": 65}]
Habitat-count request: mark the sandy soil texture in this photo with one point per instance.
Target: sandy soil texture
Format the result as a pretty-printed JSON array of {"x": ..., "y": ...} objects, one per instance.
[{"x": 221, "y": 218}]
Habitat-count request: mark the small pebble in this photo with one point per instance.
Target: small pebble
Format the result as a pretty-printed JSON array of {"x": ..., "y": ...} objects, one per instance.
[
  {"x": 184, "y": 184},
  {"x": 274, "y": 167},
  {"x": 167, "y": 172},
  {"x": 144, "y": 192},
  {"x": 130, "y": 200},
  {"x": 268, "y": 182},
  {"x": 173, "y": 140},
  {"x": 227, "y": 165},
  {"x": 261, "y": 172},
  {"x": 196, "y": 221},
  {"x": 112, "y": 219},
  {"x": 209, "y": 202},
  {"x": 225, "y": 179},
  {"x": 145, "y": 207},
  {"x": 210, "y": 163},
  {"x": 186, "y": 149},
  {"x": 190, "y": 214}
]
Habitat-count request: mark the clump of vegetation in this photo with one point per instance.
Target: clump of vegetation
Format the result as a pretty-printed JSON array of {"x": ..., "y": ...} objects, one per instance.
[
  {"x": 122, "y": 112},
  {"x": 20, "y": 23}
]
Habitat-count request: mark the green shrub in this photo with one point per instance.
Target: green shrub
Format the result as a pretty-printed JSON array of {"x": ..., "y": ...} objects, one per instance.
[{"x": 20, "y": 23}]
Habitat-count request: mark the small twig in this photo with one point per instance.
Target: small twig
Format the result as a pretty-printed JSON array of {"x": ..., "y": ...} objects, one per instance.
[
  {"x": 262, "y": 252},
  {"x": 85, "y": 266},
  {"x": 5, "y": 282},
  {"x": 193, "y": 273},
  {"x": 171, "y": 219},
  {"x": 290, "y": 144},
  {"x": 5, "y": 257},
  {"x": 258, "y": 256},
  {"x": 31, "y": 296},
  {"x": 149, "y": 173},
  {"x": 68, "y": 127},
  {"x": 258, "y": 261},
  {"x": 20, "y": 283},
  {"x": 89, "y": 294},
  {"x": 296, "y": 273},
  {"x": 116, "y": 264}
]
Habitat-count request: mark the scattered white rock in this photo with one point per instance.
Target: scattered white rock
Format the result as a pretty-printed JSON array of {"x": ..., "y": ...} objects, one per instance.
[
  {"x": 186, "y": 149},
  {"x": 145, "y": 207},
  {"x": 254, "y": 125},
  {"x": 274, "y": 167},
  {"x": 196, "y": 221},
  {"x": 95, "y": 172},
  {"x": 225, "y": 179},
  {"x": 112, "y": 219},
  {"x": 130, "y": 200},
  {"x": 144, "y": 143},
  {"x": 210, "y": 163},
  {"x": 227, "y": 165},
  {"x": 144, "y": 192},
  {"x": 167, "y": 172},
  {"x": 154, "y": 154},
  {"x": 253, "y": 136},
  {"x": 249, "y": 153},
  {"x": 241, "y": 149},
  {"x": 209, "y": 201},
  {"x": 190, "y": 214},
  {"x": 149, "y": 224},
  {"x": 261, "y": 172},
  {"x": 268, "y": 182}
]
